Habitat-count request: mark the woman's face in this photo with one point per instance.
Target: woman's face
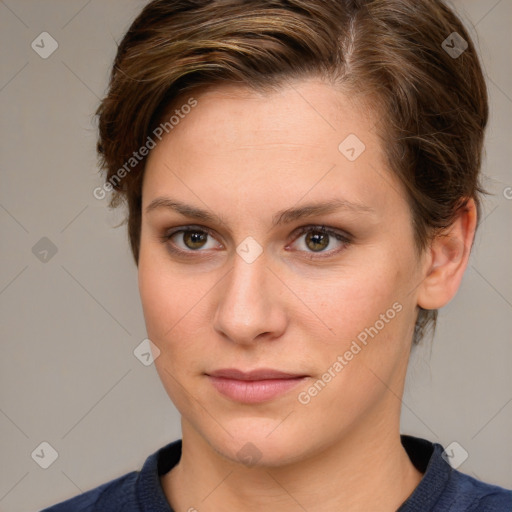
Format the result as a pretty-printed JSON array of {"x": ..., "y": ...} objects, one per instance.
[{"x": 257, "y": 284}]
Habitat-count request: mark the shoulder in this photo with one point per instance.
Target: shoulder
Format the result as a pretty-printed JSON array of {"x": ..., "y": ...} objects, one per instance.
[
  {"x": 444, "y": 488},
  {"x": 132, "y": 492},
  {"x": 118, "y": 494},
  {"x": 465, "y": 493}
]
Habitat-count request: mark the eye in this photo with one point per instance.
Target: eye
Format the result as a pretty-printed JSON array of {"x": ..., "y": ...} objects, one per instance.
[
  {"x": 319, "y": 238},
  {"x": 188, "y": 239}
]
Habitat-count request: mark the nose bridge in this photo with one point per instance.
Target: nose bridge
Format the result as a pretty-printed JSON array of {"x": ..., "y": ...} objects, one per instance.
[{"x": 247, "y": 306}]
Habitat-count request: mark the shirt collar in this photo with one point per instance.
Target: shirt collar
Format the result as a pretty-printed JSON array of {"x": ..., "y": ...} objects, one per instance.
[{"x": 425, "y": 455}]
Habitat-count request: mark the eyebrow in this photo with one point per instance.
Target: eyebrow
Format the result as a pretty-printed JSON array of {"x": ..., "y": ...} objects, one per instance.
[{"x": 282, "y": 217}]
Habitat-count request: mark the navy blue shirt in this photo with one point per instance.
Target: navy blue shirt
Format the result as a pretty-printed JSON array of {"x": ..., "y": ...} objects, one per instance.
[{"x": 442, "y": 488}]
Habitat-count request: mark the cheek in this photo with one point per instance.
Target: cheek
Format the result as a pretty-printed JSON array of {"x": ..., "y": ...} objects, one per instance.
[
  {"x": 357, "y": 366},
  {"x": 163, "y": 291},
  {"x": 353, "y": 300},
  {"x": 370, "y": 314},
  {"x": 174, "y": 305},
  {"x": 165, "y": 308},
  {"x": 155, "y": 296},
  {"x": 161, "y": 294}
]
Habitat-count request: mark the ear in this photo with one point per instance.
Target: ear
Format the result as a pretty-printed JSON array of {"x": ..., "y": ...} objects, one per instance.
[{"x": 447, "y": 259}]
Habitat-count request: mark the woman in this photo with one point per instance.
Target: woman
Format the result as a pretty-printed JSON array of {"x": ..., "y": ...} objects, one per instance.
[{"x": 302, "y": 179}]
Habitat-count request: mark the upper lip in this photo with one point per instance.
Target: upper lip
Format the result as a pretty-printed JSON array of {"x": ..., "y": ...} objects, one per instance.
[{"x": 258, "y": 374}]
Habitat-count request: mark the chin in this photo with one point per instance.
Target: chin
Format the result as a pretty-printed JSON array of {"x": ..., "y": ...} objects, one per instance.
[{"x": 256, "y": 442}]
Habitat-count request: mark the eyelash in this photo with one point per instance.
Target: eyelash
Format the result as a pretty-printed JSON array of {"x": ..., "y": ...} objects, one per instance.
[{"x": 341, "y": 236}]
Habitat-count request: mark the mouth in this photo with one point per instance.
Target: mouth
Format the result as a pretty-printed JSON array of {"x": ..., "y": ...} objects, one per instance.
[{"x": 255, "y": 386}]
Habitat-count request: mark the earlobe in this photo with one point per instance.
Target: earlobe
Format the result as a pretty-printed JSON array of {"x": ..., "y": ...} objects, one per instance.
[{"x": 448, "y": 258}]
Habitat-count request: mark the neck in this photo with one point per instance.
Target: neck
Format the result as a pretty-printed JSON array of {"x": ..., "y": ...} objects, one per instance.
[{"x": 368, "y": 469}]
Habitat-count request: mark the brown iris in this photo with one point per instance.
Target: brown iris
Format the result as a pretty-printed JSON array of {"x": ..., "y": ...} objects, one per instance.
[
  {"x": 319, "y": 240},
  {"x": 194, "y": 239}
]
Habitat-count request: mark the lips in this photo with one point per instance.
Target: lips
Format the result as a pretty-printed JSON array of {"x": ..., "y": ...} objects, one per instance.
[
  {"x": 253, "y": 386},
  {"x": 259, "y": 374}
]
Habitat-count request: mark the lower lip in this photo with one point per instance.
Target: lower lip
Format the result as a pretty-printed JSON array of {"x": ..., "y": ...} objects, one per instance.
[{"x": 253, "y": 391}]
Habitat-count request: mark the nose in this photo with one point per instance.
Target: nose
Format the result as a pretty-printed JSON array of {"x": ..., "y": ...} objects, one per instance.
[{"x": 250, "y": 307}]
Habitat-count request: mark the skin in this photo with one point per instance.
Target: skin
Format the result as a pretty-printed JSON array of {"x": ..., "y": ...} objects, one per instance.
[{"x": 245, "y": 156}]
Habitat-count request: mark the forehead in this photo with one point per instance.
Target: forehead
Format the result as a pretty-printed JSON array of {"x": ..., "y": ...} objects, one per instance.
[
  {"x": 308, "y": 113},
  {"x": 298, "y": 140}
]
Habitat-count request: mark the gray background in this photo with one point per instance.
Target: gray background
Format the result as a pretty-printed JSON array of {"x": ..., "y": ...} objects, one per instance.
[{"x": 68, "y": 375}]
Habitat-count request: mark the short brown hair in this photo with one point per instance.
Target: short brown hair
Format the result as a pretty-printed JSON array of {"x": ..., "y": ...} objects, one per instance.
[{"x": 432, "y": 103}]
